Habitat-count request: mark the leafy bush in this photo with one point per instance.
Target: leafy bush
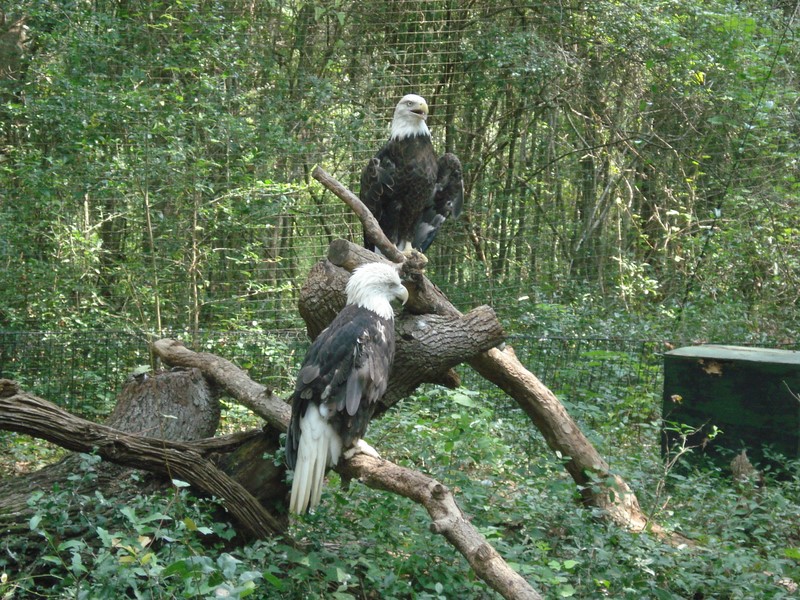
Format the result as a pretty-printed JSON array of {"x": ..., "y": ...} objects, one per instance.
[{"x": 367, "y": 544}]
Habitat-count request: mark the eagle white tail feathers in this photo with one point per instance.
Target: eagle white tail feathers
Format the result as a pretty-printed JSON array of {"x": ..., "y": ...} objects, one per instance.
[{"x": 318, "y": 448}]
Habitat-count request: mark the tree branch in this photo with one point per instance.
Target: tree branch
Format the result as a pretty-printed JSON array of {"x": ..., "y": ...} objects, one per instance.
[
  {"x": 503, "y": 369},
  {"x": 25, "y": 413},
  {"x": 371, "y": 226},
  {"x": 448, "y": 519},
  {"x": 233, "y": 380}
]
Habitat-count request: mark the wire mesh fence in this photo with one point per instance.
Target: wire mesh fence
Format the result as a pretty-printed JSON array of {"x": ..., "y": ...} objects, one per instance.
[
  {"x": 155, "y": 164},
  {"x": 598, "y": 380},
  {"x": 83, "y": 371},
  {"x": 168, "y": 147}
]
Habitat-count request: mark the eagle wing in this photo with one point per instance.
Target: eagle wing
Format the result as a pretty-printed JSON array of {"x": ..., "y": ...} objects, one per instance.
[
  {"x": 377, "y": 191},
  {"x": 345, "y": 372},
  {"x": 447, "y": 201}
]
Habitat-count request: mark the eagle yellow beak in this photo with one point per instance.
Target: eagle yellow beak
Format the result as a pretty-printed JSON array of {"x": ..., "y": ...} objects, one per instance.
[
  {"x": 421, "y": 110},
  {"x": 403, "y": 294}
]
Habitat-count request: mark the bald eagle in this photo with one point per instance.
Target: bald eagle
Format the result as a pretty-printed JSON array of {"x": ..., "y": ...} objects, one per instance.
[
  {"x": 344, "y": 374},
  {"x": 408, "y": 190}
]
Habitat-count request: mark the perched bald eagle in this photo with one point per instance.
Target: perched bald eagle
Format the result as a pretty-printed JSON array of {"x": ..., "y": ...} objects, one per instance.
[
  {"x": 408, "y": 190},
  {"x": 344, "y": 374}
]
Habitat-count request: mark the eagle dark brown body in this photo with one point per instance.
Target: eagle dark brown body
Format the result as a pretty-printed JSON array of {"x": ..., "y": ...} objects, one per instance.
[{"x": 397, "y": 185}]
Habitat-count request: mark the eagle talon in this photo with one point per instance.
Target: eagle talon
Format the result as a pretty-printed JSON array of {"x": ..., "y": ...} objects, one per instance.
[
  {"x": 419, "y": 260},
  {"x": 361, "y": 447}
]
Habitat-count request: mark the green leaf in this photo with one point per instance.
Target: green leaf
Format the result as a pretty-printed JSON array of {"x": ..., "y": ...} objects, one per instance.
[
  {"x": 272, "y": 580},
  {"x": 71, "y": 545},
  {"x": 793, "y": 553},
  {"x": 463, "y": 400},
  {"x": 34, "y": 521},
  {"x": 129, "y": 514},
  {"x": 179, "y": 567}
]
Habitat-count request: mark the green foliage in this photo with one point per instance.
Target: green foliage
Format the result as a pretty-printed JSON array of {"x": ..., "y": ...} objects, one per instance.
[
  {"x": 18, "y": 455},
  {"x": 155, "y": 158},
  {"x": 364, "y": 543},
  {"x": 631, "y": 172},
  {"x": 526, "y": 506},
  {"x": 154, "y": 547}
]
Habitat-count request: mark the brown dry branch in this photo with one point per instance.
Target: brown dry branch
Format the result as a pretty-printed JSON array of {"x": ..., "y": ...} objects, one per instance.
[
  {"x": 371, "y": 227},
  {"x": 599, "y": 487},
  {"x": 448, "y": 518},
  {"x": 178, "y": 405},
  {"x": 261, "y": 400},
  {"x": 25, "y": 413}
]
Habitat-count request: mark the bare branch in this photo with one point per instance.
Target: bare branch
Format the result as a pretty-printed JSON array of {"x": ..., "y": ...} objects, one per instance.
[
  {"x": 448, "y": 519},
  {"x": 371, "y": 227},
  {"x": 25, "y": 413},
  {"x": 256, "y": 397}
]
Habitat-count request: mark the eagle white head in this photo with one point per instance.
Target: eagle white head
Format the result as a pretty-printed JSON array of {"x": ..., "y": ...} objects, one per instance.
[
  {"x": 373, "y": 286},
  {"x": 409, "y": 117}
]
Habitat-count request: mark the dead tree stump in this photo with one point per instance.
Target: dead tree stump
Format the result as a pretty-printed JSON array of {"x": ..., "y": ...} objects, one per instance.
[{"x": 172, "y": 405}]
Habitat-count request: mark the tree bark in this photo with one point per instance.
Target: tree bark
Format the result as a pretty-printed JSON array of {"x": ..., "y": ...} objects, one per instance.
[
  {"x": 155, "y": 405},
  {"x": 176, "y": 405},
  {"x": 427, "y": 346}
]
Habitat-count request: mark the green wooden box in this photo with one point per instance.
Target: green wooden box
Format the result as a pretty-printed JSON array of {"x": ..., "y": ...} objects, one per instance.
[{"x": 748, "y": 393}]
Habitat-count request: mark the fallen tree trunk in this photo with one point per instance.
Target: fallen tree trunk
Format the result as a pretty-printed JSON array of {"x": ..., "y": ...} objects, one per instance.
[
  {"x": 25, "y": 413},
  {"x": 175, "y": 405},
  {"x": 241, "y": 455}
]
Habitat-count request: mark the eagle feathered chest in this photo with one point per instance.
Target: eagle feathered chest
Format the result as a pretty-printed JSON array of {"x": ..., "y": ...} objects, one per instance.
[{"x": 397, "y": 185}]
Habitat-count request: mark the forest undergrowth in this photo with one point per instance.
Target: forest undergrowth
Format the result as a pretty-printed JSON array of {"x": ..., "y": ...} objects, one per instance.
[{"x": 367, "y": 544}]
